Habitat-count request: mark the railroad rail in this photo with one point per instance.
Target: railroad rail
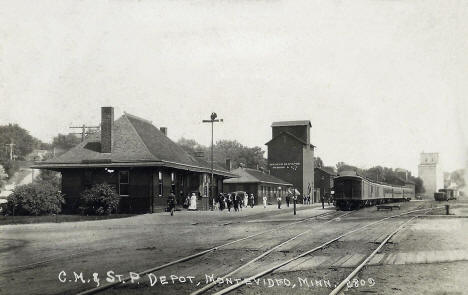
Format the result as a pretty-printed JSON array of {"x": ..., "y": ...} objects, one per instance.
[
  {"x": 212, "y": 284},
  {"x": 201, "y": 253},
  {"x": 344, "y": 283},
  {"x": 271, "y": 269}
]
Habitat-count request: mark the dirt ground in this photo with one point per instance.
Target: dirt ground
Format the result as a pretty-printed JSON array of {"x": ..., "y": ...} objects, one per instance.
[{"x": 44, "y": 258}]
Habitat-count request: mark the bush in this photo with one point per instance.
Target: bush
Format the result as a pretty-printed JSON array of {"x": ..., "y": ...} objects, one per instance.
[
  {"x": 11, "y": 167},
  {"x": 52, "y": 177},
  {"x": 35, "y": 199},
  {"x": 100, "y": 199}
]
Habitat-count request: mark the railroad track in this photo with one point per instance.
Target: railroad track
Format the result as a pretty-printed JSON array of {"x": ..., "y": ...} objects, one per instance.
[
  {"x": 201, "y": 253},
  {"x": 52, "y": 259},
  {"x": 343, "y": 286},
  {"x": 308, "y": 252},
  {"x": 334, "y": 216}
]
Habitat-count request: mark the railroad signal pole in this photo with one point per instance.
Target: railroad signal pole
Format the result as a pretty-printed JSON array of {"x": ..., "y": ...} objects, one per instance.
[
  {"x": 83, "y": 130},
  {"x": 212, "y": 121}
]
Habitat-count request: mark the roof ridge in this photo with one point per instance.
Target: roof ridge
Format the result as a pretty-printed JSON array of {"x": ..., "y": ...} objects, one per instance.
[
  {"x": 290, "y": 134},
  {"x": 138, "y": 118},
  {"x": 138, "y": 135},
  {"x": 291, "y": 123}
]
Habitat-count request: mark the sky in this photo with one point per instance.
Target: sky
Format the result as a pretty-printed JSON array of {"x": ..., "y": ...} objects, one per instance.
[{"x": 381, "y": 81}]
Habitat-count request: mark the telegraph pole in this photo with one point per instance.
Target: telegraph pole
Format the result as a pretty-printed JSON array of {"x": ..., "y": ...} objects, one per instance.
[
  {"x": 11, "y": 149},
  {"x": 212, "y": 121},
  {"x": 83, "y": 130}
]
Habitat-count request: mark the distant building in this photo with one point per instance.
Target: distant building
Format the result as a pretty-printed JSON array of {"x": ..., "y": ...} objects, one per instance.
[
  {"x": 291, "y": 155},
  {"x": 323, "y": 181},
  {"x": 37, "y": 155},
  {"x": 430, "y": 171},
  {"x": 403, "y": 173},
  {"x": 258, "y": 183},
  {"x": 139, "y": 160}
]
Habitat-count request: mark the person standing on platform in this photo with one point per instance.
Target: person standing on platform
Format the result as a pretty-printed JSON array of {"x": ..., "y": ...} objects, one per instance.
[
  {"x": 193, "y": 202},
  {"x": 252, "y": 202},
  {"x": 323, "y": 201},
  {"x": 236, "y": 202},
  {"x": 246, "y": 200},
  {"x": 264, "y": 201},
  {"x": 229, "y": 202},
  {"x": 221, "y": 201},
  {"x": 171, "y": 203},
  {"x": 241, "y": 202},
  {"x": 279, "y": 201},
  {"x": 288, "y": 199}
]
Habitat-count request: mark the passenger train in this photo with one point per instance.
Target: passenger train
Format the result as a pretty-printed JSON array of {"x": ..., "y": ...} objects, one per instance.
[{"x": 353, "y": 191}]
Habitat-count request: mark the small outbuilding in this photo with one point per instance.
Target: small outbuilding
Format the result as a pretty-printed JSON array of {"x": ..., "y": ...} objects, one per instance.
[
  {"x": 323, "y": 183},
  {"x": 257, "y": 182}
]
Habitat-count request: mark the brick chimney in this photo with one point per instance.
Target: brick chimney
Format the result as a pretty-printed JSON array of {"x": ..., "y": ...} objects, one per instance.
[
  {"x": 163, "y": 130},
  {"x": 228, "y": 165},
  {"x": 107, "y": 121}
]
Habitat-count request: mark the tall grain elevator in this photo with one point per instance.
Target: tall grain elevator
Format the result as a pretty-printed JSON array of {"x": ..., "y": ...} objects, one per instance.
[{"x": 291, "y": 155}]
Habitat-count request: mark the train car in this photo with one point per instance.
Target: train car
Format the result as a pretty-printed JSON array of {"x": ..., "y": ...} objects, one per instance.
[
  {"x": 408, "y": 193},
  {"x": 450, "y": 193},
  {"x": 353, "y": 191},
  {"x": 440, "y": 196}
]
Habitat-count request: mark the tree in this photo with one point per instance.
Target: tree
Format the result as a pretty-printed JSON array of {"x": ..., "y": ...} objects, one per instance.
[
  {"x": 191, "y": 146},
  {"x": 375, "y": 173},
  {"x": 330, "y": 169},
  {"x": 342, "y": 166},
  {"x": 24, "y": 142},
  {"x": 418, "y": 185},
  {"x": 11, "y": 167},
  {"x": 3, "y": 176},
  {"x": 65, "y": 142},
  {"x": 458, "y": 176},
  {"x": 252, "y": 157},
  {"x": 318, "y": 163}
]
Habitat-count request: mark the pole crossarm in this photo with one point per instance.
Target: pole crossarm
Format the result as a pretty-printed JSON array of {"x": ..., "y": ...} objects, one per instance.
[
  {"x": 83, "y": 130},
  {"x": 212, "y": 121}
]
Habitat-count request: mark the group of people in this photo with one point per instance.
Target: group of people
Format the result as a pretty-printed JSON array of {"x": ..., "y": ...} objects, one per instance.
[
  {"x": 289, "y": 198},
  {"x": 229, "y": 201},
  {"x": 233, "y": 200}
]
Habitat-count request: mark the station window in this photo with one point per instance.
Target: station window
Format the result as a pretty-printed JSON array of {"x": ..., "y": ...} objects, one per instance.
[
  {"x": 160, "y": 183},
  {"x": 173, "y": 182},
  {"x": 124, "y": 180}
]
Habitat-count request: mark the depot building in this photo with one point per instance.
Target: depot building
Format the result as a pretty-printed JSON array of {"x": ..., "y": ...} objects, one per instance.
[{"x": 139, "y": 160}]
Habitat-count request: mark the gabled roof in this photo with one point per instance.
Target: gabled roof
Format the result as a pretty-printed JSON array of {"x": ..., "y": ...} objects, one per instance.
[
  {"x": 247, "y": 175},
  {"x": 326, "y": 171},
  {"x": 291, "y": 123},
  {"x": 135, "y": 142},
  {"x": 285, "y": 133}
]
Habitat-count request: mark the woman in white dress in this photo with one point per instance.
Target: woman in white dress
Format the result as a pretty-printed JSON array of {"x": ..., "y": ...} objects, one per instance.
[
  {"x": 264, "y": 201},
  {"x": 193, "y": 202}
]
